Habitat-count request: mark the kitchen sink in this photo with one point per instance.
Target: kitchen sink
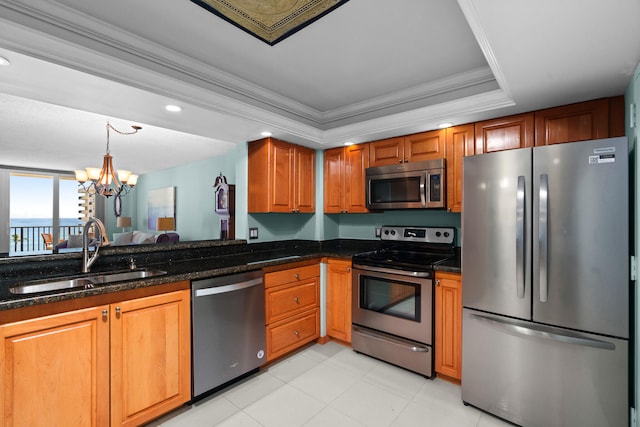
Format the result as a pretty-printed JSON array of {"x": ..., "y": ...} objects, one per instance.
[{"x": 85, "y": 282}]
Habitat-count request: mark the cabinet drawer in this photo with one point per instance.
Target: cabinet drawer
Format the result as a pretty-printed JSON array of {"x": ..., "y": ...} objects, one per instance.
[
  {"x": 286, "y": 336},
  {"x": 287, "y": 300},
  {"x": 291, "y": 275}
]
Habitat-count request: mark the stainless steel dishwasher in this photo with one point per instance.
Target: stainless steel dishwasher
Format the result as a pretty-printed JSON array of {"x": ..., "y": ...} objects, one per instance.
[{"x": 228, "y": 324}]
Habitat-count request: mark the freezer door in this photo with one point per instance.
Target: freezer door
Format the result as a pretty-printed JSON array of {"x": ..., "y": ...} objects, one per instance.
[
  {"x": 581, "y": 247},
  {"x": 496, "y": 233},
  {"x": 539, "y": 376}
]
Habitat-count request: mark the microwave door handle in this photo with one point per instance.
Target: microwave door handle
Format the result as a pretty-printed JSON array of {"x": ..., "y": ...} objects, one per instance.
[{"x": 424, "y": 178}]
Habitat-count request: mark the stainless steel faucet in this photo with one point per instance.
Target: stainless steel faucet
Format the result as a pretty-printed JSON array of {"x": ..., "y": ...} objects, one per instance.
[{"x": 102, "y": 238}]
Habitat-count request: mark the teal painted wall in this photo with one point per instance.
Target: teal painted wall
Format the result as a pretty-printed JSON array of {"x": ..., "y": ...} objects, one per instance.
[
  {"x": 196, "y": 219},
  {"x": 632, "y": 96},
  {"x": 194, "y": 196}
]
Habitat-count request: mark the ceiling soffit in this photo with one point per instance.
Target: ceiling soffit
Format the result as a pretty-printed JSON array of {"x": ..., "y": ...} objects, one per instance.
[{"x": 270, "y": 21}]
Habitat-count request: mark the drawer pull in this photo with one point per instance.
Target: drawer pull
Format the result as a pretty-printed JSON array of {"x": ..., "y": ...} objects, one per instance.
[
  {"x": 297, "y": 300},
  {"x": 297, "y": 276},
  {"x": 297, "y": 333},
  {"x": 105, "y": 312}
]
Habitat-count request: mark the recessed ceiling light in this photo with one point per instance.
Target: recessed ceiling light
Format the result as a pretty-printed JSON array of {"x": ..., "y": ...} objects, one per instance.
[
  {"x": 173, "y": 108},
  {"x": 349, "y": 143},
  {"x": 4, "y": 61},
  {"x": 445, "y": 125},
  {"x": 266, "y": 133}
]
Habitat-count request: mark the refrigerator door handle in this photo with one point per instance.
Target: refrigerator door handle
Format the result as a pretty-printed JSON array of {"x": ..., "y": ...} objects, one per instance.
[
  {"x": 539, "y": 331},
  {"x": 520, "y": 236},
  {"x": 543, "y": 239}
]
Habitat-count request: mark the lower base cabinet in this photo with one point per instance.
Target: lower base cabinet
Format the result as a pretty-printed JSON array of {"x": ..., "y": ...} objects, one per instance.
[
  {"x": 121, "y": 364},
  {"x": 339, "y": 299},
  {"x": 292, "y": 298},
  {"x": 448, "y": 325}
]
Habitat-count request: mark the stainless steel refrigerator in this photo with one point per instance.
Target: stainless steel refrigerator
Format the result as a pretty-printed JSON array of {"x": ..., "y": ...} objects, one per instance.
[{"x": 545, "y": 264}]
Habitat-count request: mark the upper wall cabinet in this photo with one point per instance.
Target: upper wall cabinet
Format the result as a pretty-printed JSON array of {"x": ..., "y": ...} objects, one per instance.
[
  {"x": 578, "y": 122},
  {"x": 504, "y": 133},
  {"x": 410, "y": 148},
  {"x": 460, "y": 143},
  {"x": 281, "y": 177},
  {"x": 344, "y": 179}
]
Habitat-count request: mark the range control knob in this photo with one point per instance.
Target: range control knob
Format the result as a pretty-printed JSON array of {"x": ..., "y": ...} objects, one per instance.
[
  {"x": 393, "y": 232},
  {"x": 438, "y": 234},
  {"x": 446, "y": 234},
  {"x": 386, "y": 232}
]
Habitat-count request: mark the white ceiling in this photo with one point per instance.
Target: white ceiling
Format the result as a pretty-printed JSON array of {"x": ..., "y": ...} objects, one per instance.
[{"x": 369, "y": 69}]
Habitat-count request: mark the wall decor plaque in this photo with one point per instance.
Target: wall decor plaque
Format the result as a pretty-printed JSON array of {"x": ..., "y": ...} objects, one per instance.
[{"x": 270, "y": 20}]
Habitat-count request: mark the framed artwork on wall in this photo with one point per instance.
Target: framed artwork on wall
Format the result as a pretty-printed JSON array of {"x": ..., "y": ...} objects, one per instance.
[{"x": 161, "y": 204}]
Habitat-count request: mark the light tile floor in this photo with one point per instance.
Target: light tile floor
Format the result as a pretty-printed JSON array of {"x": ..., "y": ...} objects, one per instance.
[{"x": 331, "y": 385}]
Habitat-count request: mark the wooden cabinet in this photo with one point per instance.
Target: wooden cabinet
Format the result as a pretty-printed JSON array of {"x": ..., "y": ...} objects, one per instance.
[
  {"x": 292, "y": 299},
  {"x": 281, "y": 177},
  {"x": 123, "y": 363},
  {"x": 410, "y": 148},
  {"x": 150, "y": 357},
  {"x": 344, "y": 179},
  {"x": 339, "y": 299},
  {"x": 576, "y": 122},
  {"x": 504, "y": 133},
  {"x": 448, "y": 325},
  {"x": 55, "y": 370},
  {"x": 460, "y": 143}
]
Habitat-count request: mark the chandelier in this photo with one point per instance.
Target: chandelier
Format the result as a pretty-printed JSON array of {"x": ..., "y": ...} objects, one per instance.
[{"x": 107, "y": 181}]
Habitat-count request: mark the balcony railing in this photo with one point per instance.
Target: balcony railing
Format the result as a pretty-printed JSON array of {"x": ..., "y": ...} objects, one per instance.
[{"x": 28, "y": 239}]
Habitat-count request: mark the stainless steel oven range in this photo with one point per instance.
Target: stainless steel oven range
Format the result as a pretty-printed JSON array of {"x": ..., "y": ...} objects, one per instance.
[{"x": 393, "y": 295}]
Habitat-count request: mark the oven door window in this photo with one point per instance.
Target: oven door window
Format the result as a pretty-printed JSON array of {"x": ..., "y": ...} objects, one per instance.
[{"x": 393, "y": 298}]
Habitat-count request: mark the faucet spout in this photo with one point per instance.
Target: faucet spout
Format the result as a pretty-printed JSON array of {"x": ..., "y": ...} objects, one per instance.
[{"x": 87, "y": 260}]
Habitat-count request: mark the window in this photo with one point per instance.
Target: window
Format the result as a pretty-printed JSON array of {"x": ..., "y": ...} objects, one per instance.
[{"x": 44, "y": 208}]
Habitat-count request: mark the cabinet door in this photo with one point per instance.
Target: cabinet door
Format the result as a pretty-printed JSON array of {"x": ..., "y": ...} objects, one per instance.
[
  {"x": 425, "y": 146},
  {"x": 448, "y": 344},
  {"x": 305, "y": 180},
  {"x": 282, "y": 177},
  {"x": 55, "y": 370},
  {"x": 386, "y": 151},
  {"x": 576, "y": 122},
  {"x": 460, "y": 143},
  {"x": 150, "y": 357},
  {"x": 339, "y": 299},
  {"x": 334, "y": 180},
  {"x": 504, "y": 133},
  {"x": 356, "y": 161}
]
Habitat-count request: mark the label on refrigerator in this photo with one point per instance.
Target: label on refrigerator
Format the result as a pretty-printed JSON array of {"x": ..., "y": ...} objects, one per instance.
[{"x": 603, "y": 155}]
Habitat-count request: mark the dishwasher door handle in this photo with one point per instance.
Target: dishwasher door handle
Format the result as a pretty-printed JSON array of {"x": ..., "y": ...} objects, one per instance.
[{"x": 215, "y": 290}]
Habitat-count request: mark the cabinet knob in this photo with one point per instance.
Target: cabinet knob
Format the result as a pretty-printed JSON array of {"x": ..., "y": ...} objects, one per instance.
[
  {"x": 297, "y": 300},
  {"x": 105, "y": 313},
  {"x": 348, "y": 269},
  {"x": 297, "y": 276},
  {"x": 406, "y": 160},
  {"x": 437, "y": 282},
  {"x": 118, "y": 310},
  {"x": 399, "y": 160},
  {"x": 297, "y": 333}
]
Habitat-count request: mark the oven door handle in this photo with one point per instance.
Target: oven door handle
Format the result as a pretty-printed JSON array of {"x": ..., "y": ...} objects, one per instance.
[
  {"x": 417, "y": 349},
  {"x": 368, "y": 268}
]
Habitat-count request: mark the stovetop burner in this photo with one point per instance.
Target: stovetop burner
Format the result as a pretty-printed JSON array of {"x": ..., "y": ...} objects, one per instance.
[{"x": 410, "y": 248}]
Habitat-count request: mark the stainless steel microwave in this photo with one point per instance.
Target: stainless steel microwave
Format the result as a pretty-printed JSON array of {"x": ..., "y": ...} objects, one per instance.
[{"x": 414, "y": 185}]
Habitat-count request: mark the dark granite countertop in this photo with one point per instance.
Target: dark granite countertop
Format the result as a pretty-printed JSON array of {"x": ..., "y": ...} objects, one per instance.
[{"x": 185, "y": 261}]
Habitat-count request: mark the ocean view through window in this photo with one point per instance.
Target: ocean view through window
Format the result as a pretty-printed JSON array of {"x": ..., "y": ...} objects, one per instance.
[{"x": 45, "y": 209}]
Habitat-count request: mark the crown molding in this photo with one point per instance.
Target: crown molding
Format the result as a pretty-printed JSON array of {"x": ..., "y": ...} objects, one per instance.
[
  {"x": 89, "y": 34},
  {"x": 471, "y": 15}
]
